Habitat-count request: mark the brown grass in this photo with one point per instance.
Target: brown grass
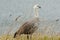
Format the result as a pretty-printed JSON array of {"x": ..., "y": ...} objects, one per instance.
[{"x": 33, "y": 37}]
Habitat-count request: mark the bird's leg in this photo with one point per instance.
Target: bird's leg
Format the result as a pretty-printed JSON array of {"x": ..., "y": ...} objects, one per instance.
[
  {"x": 27, "y": 36},
  {"x": 30, "y": 37}
]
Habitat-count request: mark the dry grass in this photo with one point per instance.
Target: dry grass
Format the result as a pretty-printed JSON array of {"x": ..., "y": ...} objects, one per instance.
[{"x": 33, "y": 37}]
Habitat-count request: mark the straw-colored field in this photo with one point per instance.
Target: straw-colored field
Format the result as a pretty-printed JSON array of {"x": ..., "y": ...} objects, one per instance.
[{"x": 33, "y": 37}]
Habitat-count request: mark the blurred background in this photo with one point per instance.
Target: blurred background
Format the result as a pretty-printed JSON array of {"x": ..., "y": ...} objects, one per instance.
[{"x": 49, "y": 15}]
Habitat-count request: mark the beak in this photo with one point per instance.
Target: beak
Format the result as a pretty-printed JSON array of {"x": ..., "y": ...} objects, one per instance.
[{"x": 39, "y": 6}]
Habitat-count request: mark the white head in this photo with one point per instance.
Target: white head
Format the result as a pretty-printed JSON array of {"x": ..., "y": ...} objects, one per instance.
[{"x": 36, "y": 7}]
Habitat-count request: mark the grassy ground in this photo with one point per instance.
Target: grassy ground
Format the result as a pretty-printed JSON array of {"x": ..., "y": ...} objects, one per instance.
[{"x": 33, "y": 37}]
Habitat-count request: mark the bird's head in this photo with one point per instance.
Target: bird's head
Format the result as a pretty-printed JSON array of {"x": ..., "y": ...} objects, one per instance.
[
  {"x": 37, "y": 6},
  {"x": 36, "y": 9}
]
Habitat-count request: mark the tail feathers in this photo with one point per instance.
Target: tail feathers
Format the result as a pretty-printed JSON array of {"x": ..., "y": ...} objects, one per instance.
[{"x": 15, "y": 34}]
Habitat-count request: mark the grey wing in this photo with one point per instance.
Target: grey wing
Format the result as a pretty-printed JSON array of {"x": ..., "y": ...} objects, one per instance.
[
  {"x": 28, "y": 27},
  {"x": 33, "y": 29}
]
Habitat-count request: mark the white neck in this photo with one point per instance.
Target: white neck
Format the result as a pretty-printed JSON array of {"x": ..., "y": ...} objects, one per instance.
[{"x": 36, "y": 12}]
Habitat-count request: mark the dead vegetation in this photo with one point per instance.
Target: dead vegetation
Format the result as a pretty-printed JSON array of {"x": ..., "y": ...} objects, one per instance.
[{"x": 34, "y": 37}]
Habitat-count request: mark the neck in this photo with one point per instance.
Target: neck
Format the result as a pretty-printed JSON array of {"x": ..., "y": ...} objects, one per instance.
[{"x": 36, "y": 12}]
